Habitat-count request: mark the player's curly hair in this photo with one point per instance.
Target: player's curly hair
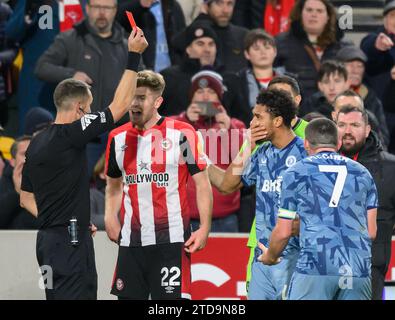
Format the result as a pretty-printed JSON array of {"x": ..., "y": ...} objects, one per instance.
[{"x": 279, "y": 103}]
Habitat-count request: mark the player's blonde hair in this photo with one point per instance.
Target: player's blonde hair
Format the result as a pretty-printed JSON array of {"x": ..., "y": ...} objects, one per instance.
[{"x": 151, "y": 80}]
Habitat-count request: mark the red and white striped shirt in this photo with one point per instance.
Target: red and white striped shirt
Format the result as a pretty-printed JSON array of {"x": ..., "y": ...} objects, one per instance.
[{"x": 154, "y": 165}]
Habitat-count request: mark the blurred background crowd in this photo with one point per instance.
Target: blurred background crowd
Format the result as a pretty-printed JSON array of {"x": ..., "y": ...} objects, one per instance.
[{"x": 232, "y": 47}]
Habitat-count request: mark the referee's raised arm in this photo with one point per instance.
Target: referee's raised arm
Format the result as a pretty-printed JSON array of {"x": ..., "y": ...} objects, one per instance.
[{"x": 127, "y": 86}]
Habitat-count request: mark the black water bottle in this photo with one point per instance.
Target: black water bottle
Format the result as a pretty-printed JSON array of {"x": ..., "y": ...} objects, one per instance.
[{"x": 73, "y": 230}]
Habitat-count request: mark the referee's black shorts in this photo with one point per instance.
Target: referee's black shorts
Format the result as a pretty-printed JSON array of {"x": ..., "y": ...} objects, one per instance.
[
  {"x": 159, "y": 272},
  {"x": 73, "y": 268}
]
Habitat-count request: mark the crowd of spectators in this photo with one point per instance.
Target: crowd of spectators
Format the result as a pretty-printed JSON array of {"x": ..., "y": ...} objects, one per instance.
[{"x": 217, "y": 53}]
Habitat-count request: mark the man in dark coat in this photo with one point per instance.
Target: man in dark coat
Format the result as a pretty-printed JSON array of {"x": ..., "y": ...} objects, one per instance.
[
  {"x": 200, "y": 46},
  {"x": 363, "y": 145},
  {"x": 230, "y": 37},
  {"x": 380, "y": 68},
  {"x": 354, "y": 60},
  {"x": 94, "y": 51}
]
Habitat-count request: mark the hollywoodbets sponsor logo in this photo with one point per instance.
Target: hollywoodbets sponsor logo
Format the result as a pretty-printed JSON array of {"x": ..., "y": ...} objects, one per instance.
[{"x": 161, "y": 179}]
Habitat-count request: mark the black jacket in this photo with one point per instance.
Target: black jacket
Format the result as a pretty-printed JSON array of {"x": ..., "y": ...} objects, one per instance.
[
  {"x": 8, "y": 51},
  {"x": 12, "y": 216},
  {"x": 316, "y": 103},
  {"x": 381, "y": 166},
  {"x": 176, "y": 96},
  {"x": 238, "y": 98},
  {"x": 379, "y": 63},
  {"x": 389, "y": 97},
  {"x": 174, "y": 21},
  {"x": 374, "y": 105},
  {"x": 78, "y": 50},
  {"x": 249, "y": 13},
  {"x": 230, "y": 46},
  {"x": 292, "y": 55}
]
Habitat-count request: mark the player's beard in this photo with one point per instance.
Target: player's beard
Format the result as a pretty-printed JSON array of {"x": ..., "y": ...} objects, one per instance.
[{"x": 351, "y": 149}]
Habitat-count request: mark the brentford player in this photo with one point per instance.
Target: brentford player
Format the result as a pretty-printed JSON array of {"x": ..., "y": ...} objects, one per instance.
[{"x": 148, "y": 162}]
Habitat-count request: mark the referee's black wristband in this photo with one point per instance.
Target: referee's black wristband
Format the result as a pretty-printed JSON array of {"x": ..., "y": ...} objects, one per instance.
[{"x": 133, "y": 61}]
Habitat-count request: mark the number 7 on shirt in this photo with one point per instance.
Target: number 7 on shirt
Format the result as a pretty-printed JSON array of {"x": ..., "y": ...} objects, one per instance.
[{"x": 339, "y": 184}]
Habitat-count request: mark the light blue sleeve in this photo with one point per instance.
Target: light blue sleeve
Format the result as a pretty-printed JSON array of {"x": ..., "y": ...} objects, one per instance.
[
  {"x": 288, "y": 197},
  {"x": 250, "y": 171}
]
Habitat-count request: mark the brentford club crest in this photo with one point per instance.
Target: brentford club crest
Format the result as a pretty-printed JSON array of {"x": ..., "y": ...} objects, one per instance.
[
  {"x": 120, "y": 284},
  {"x": 166, "y": 144}
]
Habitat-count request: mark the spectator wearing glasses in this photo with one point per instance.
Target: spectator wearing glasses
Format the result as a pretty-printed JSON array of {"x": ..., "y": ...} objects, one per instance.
[{"x": 95, "y": 52}]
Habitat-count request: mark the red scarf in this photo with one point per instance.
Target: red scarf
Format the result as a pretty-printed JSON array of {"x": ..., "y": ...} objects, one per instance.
[
  {"x": 355, "y": 156},
  {"x": 70, "y": 12},
  {"x": 276, "y": 18}
]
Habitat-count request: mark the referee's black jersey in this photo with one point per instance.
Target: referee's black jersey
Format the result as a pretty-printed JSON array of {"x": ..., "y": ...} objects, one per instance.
[{"x": 56, "y": 169}]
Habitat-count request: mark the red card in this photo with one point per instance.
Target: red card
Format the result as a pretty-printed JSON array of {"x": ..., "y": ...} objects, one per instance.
[{"x": 131, "y": 20}]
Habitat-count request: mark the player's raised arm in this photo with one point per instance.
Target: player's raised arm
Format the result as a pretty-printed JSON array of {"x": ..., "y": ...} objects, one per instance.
[
  {"x": 230, "y": 180},
  {"x": 127, "y": 86}
]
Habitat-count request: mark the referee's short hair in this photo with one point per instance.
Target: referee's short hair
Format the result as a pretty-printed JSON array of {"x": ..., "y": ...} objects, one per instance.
[
  {"x": 321, "y": 133},
  {"x": 70, "y": 90},
  {"x": 151, "y": 80}
]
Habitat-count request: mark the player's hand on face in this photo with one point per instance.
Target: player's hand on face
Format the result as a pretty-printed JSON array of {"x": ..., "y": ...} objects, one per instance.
[
  {"x": 223, "y": 119},
  {"x": 265, "y": 258},
  {"x": 137, "y": 41},
  {"x": 113, "y": 228},
  {"x": 193, "y": 112},
  {"x": 255, "y": 133},
  {"x": 197, "y": 241}
]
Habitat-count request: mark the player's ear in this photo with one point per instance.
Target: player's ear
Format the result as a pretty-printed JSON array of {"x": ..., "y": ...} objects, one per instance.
[
  {"x": 158, "y": 102},
  {"x": 278, "y": 121},
  {"x": 306, "y": 144},
  {"x": 298, "y": 100}
]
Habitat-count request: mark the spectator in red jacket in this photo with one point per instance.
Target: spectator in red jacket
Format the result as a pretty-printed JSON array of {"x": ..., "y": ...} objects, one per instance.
[{"x": 223, "y": 137}]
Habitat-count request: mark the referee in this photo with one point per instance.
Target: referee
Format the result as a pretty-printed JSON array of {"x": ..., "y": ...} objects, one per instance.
[{"x": 55, "y": 183}]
